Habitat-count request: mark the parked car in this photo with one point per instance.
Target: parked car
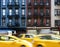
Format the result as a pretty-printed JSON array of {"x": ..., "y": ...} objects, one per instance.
[
  {"x": 12, "y": 41},
  {"x": 42, "y": 40}
]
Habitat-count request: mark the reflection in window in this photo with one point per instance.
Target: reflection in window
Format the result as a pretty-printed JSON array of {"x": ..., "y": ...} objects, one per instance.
[
  {"x": 47, "y": 11},
  {"x": 17, "y": 11},
  {"x": 17, "y": 1},
  {"x": 29, "y": 20},
  {"x": 3, "y": 11},
  {"x": 23, "y": 11},
  {"x": 3, "y": 22},
  {"x": 47, "y": 2},
  {"x": 10, "y": 2},
  {"x": 23, "y": 2},
  {"x": 23, "y": 22},
  {"x": 4, "y": 2},
  {"x": 57, "y": 22},
  {"x": 29, "y": 12},
  {"x": 10, "y": 11},
  {"x": 41, "y": 12},
  {"x": 47, "y": 22},
  {"x": 57, "y": 11}
]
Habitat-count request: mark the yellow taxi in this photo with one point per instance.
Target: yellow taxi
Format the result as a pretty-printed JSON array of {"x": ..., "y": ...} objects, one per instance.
[
  {"x": 12, "y": 41},
  {"x": 45, "y": 40},
  {"x": 28, "y": 37}
]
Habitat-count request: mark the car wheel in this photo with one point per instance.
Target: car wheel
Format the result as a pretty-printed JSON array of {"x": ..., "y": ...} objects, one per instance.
[
  {"x": 22, "y": 46},
  {"x": 39, "y": 46}
]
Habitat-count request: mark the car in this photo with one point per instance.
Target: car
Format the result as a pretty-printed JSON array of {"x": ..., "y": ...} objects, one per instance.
[
  {"x": 28, "y": 37},
  {"x": 12, "y": 41},
  {"x": 47, "y": 40},
  {"x": 44, "y": 40}
]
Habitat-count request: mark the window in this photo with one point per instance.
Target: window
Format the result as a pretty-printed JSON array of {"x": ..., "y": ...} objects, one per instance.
[
  {"x": 47, "y": 22},
  {"x": 57, "y": 2},
  {"x": 27, "y": 36},
  {"x": 29, "y": 12},
  {"x": 29, "y": 1},
  {"x": 29, "y": 20},
  {"x": 17, "y": 11},
  {"x": 3, "y": 22},
  {"x": 4, "y": 2},
  {"x": 10, "y": 20},
  {"x": 41, "y": 1},
  {"x": 57, "y": 22},
  {"x": 3, "y": 11},
  {"x": 46, "y": 37},
  {"x": 35, "y": 2},
  {"x": 16, "y": 1},
  {"x": 47, "y": 2},
  {"x": 36, "y": 10},
  {"x": 6, "y": 38},
  {"x": 23, "y": 22},
  {"x": 23, "y": 11},
  {"x": 41, "y": 22},
  {"x": 41, "y": 12},
  {"x": 10, "y": 12},
  {"x": 35, "y": 22},
  {"x": 19, "y": 36},
  {"x": 10, "y": 1},
  {"x": 57, "y": 11},
  {"x": 47, "y": 11},
  {"x": 23, "y": 2}
]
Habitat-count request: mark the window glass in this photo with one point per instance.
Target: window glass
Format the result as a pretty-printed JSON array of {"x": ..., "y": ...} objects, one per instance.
[
  {"x": 29, "y": 20},
  {"x": 47, "y": 2},
  {"x": 45, "y": 37},
  {"x": 23, "y": 22},
  {"x": 29, "y": 1},
  {"x": 17, "y": 11},
  {"x": 10, "y": 20},
  {"x": 27, "y": 36},
  {"x": 4, "y": 2},
  {"x": 6, "y": 38},
  {"x": 3, "y": 22},
  {"x": 23, "y": 11},
  {"x": 23, "y": 2},
  {"x": 57, "y": 22},
  {"x": 29, "y": 12},
  {"x": 10, "y": 12},
  {"x": 3, "y": 11},
  {"x": 20, "y": 36},
  {"x": 17, "y": 1}
]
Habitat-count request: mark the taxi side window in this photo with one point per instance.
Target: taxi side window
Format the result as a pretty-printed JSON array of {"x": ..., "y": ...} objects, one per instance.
[
  {"x": 45, "y": 37},
  {"x": 3, "y": 38},
  {"x": 6, "y": 38},
  {"x": 20, "y": 36},
  {"x": 11, "y": 39},
  {"x": 27, "y": 36}
]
